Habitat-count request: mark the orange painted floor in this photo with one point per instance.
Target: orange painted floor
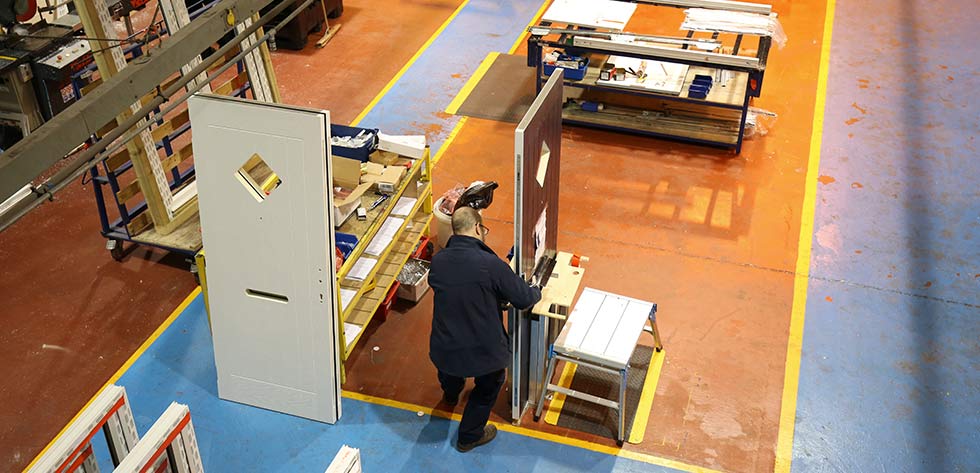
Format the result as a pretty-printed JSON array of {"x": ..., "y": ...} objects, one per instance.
[
  {"x": 375, "y": 40},
  {"x": 711, "y": 237}
]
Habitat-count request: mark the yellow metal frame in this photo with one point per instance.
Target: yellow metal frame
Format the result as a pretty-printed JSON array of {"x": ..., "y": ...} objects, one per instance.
[{"x": 372, "y": 291}]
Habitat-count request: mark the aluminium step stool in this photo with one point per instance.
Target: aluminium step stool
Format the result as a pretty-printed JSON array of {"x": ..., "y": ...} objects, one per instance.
[{"x": 602, "y": 333}]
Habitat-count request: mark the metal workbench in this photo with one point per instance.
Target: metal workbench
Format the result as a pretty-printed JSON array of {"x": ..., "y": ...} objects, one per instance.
[{"x": 716, "y": 120}]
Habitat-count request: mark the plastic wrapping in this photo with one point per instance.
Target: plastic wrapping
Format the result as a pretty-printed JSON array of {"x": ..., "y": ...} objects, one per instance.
[
  {"x": 448, "y": 201},
  {"x": 413, "y": 272},
  {"x": 358, "y": 141},
  {"x": 758, "y": 122},
  {"x": 701, "y": 19}
]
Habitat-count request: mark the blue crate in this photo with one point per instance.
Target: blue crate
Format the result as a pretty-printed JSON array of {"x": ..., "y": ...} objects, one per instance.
[
  {"x": 703, "y": 78},
  {"x": 696, "y": 91},
  {"x": 346, "y": 243},
  {"x": 705, "y": 83},
  {"x": 570, "y": 74},
  {"x": 361, "y": 154}
]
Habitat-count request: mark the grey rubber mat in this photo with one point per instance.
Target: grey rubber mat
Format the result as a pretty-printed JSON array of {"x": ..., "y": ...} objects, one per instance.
[
  {"x": 504, "y": 93},
  {"x": 599, "y": 420}
]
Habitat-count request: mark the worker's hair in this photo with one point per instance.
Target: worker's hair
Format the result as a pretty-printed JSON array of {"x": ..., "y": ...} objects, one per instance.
[{"x": 465, "y": 218}]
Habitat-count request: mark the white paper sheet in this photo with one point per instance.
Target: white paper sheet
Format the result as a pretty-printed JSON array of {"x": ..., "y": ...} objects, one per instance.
[
  {"x": 361, "y": 268},
  {"x": 404, "y": 206},
  {"x": 384, "y": 236},
  {"x": 346, "y": 295},
  {"x": 350, "y": 332},
  {"x": 540, "y": 235},
  {"x": 605, "y": 14}
]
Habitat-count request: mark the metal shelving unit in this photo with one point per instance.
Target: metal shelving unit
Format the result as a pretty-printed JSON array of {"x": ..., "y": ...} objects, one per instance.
[{"x": 372, "y": 290}]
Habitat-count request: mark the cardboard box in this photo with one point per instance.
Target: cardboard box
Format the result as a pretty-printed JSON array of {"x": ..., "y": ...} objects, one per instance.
[
  {"x": 346, "y": 176},
  {"x": 412, "y": 146},
  {"x": 384, "y": 158},
  {"x": 412, "y": 289},
  {"x": 346, "y": 202},
  {"x": 383, "y": 179}
]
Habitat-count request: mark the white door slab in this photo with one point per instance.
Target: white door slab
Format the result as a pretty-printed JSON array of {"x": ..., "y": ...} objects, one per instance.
[{"x": 269, "y": 253}]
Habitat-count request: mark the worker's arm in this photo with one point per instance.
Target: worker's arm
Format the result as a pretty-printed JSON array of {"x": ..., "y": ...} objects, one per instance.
[{"x": 512, "y": 288}]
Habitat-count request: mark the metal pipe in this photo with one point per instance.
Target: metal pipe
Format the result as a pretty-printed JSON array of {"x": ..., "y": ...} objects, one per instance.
[{"x": 111, "y": 141}]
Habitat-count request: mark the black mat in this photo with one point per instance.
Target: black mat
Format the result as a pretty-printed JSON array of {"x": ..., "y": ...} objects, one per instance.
[
  {"x": 599, "y": 420},
  {"x": 504, "y": 93}
]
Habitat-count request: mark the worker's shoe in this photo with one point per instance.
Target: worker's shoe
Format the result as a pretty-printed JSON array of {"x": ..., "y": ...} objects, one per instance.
[
  {"x": 489, "y": 433},
  {"x": 450, "y": 400}
]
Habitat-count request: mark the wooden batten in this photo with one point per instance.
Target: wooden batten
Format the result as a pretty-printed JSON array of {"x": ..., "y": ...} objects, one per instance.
[
  {"x": 170, "y": 126},
  {"x": 178, "y": 157},
  {"x": 128, "y": 191},
  {"x": 233, "y": 84},
  {"x": 138, "y": 224},
  {"x": 156, "y": 215},
  {"x": 117, "y": 160}
]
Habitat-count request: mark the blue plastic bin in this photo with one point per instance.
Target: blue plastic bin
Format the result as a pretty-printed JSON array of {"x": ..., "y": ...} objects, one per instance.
[
  {"x": 346, "y": 242},
  {"x": 705, "y": 83},
  {"x": 703, "y": 78},
  {"x": 570, "y": 74},
  {"x": 361, "y": 154},
  {"x": 697, "y": 91}
]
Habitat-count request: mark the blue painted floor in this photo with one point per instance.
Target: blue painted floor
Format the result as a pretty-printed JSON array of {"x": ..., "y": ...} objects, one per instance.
[
  {"x": 890, "y": 377},
  {"x": 179, "y": 366},
  {"x": 415, "y": 104}
]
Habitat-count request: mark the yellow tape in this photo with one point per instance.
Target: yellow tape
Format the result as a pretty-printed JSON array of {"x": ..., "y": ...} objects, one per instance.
[
  {"x": 449, "y": 140},
  {"x": 508, "y": 427},
  {"x": 401, "y": 72},
  {"x": 794, "y": 345},
  {"x": 464, "y": 93},
  {"x": 558, "y": 399},
  {"x": 644, "y": 408},
  {"x": 537, "y": 16}
]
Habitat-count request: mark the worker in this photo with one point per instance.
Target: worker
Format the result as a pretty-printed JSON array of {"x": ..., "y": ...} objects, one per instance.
[{"x": 471, "y": 284}]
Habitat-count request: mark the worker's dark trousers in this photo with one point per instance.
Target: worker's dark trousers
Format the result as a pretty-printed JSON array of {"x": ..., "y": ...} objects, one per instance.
[{"x": 481, "y": 401}]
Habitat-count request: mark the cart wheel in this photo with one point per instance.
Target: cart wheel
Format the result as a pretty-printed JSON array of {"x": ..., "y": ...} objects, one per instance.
[
  {"x": 115, "y": 248},
  {"x": 619, "y": 443},
  {"x": 336, "y": 12},
  {"x": 196, "y": 273},
  {"x": 537, "y": 418}
]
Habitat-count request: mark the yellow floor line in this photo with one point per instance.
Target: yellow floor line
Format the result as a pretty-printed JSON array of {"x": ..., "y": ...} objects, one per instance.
[
  {"x": 508, "y": 427},
  {"x": 462, "y": 120},
  {"x": 558, "y": 400},
  {"x": 534, "y": 21},
  {"x": 646, "y": 396},
  {"x": 791, "y": 379},
  {"x": 464, "y": 93},
  {"x": 449, "y": 140},
  {"x": 122, "y": 369},
  {"x": 401, "y": 72}
]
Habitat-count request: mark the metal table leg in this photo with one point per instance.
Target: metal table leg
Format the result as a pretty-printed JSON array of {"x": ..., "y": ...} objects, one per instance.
[
  {"x": 545, "y": 388},
  {"x": 622, "y": 407}
]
